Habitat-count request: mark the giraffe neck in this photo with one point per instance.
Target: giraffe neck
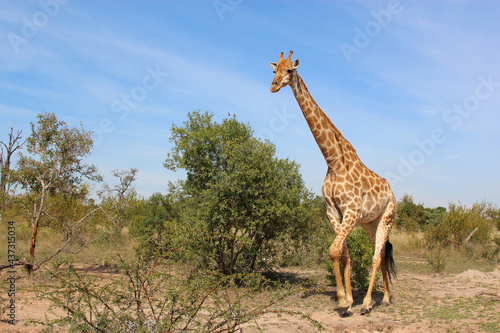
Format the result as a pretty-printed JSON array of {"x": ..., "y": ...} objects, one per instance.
[{"x": 335, "y": 148}]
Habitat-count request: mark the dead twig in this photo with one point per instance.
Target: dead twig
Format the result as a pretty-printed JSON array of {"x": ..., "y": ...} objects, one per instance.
[
  {"x": 493, "y": 295},
  {"x": 17, "y": 263},
  {"x": 471, "y": 234}
]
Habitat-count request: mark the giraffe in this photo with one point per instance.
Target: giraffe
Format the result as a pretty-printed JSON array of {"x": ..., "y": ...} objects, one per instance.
[{"x": 353, "y": 193}]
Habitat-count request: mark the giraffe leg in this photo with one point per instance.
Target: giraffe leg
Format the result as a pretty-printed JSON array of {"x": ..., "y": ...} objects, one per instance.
[
  {"x": 387, "y": 293},
  {"x": 371, "y": 229},
  {"x": 335, "y": 254},
  {"x": 367, "y": 302},
  {"x": 382, "y": 236},
  {"x": 346, "y": 263},
  {"x": 344, "y": 296}
]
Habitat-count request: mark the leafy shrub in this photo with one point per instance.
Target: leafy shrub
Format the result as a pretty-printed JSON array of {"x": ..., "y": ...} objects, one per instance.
[
  {"x": 156, "y": 228},
  {"x": 458, "y": 225},
  {"x": 143, "y": 299},
  {"x": 493, "y": 213},
  {"x": 407, "y": 223},
  {"x": 436, "y": 259},
  {"x": 306, "y": 247},
  {"x": 415, "y": 217},
  {"x": 409, "y": 216},
  {"x": 238, "y": 196},
  {"x": 361, "y": 253}
]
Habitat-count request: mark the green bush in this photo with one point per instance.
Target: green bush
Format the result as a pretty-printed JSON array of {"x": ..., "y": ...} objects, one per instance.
[
  {"x": 406, "y": 223},
  {"x": 409, "y": 215},
  {"x": 493, "y": 213},
  {"x": 361, "y": 253},
  {"x": 458, "y": 225},
  {"x": 306, "y": 247},
  {"x": 156, "y": 229},
  {"x": 239, "y": 198},
  {"x": 415, "y": 217}
]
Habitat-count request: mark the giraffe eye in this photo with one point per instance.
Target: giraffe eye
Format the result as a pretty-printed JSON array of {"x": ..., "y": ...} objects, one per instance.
[
  {"x": 289, "y": 70},
  {"x": 274, "y": 72}
]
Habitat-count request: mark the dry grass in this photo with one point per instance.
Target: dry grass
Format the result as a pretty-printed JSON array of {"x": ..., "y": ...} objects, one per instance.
[
  {"x": 414, "y": 255},
  {"x": 101, "y": 251}
]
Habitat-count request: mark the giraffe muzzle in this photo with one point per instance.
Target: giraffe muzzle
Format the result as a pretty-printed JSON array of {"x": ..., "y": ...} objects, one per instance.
[{"x": 275, "y": 87}]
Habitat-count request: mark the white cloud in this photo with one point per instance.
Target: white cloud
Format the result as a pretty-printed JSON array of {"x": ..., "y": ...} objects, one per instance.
[{"x": 454, "y": 156}]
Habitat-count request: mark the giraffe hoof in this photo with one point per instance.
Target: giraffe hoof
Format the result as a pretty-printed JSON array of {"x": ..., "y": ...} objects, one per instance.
[
  {"x": 385, "y": 304},
  {"x": 345, "y": 312},
  {"x": 365, "y": 311}
]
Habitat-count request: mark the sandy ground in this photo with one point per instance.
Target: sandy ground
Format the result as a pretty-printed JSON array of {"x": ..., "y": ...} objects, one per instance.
[{"x": 466, "y": 302}]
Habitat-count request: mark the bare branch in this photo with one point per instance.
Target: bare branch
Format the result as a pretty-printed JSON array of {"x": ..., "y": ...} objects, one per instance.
[
  {"x": 7, "y": 150},
  {"x": 73, "y": 231}
]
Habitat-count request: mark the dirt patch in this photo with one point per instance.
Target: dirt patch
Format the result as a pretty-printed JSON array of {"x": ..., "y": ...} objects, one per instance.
[
  {"x": 465, "y": 302},
  {"x": 478, "y": 275}
]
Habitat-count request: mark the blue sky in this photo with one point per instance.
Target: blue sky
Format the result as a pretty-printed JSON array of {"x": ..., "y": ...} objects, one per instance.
[{"x": 413, "y": 85}]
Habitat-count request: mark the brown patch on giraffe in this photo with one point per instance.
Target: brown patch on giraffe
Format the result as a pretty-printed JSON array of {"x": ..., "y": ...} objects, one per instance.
[
  {"x": 322, "y": 136},
  {"x": 340, "y": 188},
  {"x": 349, "y": 178},
  {"x": 354, "y": 156}
]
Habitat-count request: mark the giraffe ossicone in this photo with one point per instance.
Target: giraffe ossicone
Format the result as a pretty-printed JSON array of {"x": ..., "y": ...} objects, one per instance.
[{"x": 353, "y": 193}]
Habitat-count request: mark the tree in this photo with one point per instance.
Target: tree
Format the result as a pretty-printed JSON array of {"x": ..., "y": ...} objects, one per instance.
[
  {"x": 156, "y": 229},
  {"x": 240, "y": 197},
  {"x": 126, "y": 177},
  {"x": 415, "y": 217},
  {"x": 7, "y": 150},
  {"x": 121, "y": 202},
  {"x": 53, "y": 165},
  {"x": 308, "y": 246},
  {"x": 409, "y": 216}
]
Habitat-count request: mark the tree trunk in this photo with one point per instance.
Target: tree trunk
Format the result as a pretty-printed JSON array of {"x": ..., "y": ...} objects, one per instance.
[
  {"x": 5, "y": 157},
  {"x": 35, "y": 222},
  {"x": 34, "y": 235}
]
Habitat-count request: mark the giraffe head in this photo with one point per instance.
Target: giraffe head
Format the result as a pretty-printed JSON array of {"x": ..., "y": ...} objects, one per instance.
[{"x": 284, "y": 70}]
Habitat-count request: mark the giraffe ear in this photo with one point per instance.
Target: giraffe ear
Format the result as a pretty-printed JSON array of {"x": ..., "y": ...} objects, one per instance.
[
  {"x": 296, "y": 63},
  {"x": 274, "y": 65}
]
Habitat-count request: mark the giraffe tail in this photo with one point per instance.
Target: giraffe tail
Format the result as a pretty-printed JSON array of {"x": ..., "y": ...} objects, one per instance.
[{"x": 389, "y": 261}]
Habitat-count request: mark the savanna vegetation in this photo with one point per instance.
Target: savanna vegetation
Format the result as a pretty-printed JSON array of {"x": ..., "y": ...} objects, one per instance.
[{"x": 200, "y": 256}]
